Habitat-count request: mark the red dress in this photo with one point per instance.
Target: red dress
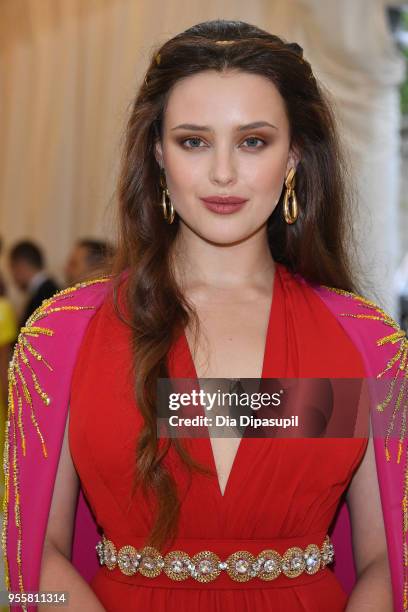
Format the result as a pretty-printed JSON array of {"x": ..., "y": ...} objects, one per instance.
[{"x": 280, "y": 492}]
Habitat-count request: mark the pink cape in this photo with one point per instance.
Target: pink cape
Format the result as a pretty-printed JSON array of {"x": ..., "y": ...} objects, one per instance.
[{"x": 39, "y": 389}]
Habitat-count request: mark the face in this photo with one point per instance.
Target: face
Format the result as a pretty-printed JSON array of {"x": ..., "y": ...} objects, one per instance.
[
  {"x": 21, "y": 273},
  {"x": 77, "y": 267},
  {"x": 225, "y": 135}
]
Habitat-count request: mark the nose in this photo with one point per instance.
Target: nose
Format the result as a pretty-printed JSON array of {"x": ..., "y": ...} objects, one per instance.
[{"x": 223, "y": 170}]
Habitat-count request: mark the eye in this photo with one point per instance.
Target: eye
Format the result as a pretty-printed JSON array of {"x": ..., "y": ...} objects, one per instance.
[
  {"x": 253, "y": 140},
  {"x": 195, "y": 140}
]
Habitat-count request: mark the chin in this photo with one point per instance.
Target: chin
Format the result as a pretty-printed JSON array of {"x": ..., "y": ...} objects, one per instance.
[
  {"x": 221, "y": 231},
  {"x": 225, "y": 237}
]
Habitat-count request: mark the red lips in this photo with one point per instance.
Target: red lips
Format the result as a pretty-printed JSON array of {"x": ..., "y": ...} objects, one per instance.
[{"x": 224, "y": 200}]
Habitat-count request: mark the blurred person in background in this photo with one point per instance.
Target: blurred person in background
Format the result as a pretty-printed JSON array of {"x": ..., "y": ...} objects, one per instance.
[
  {"x": 27, "y": 267},
  {"x": 8, "y": 334},
  {"x": 89, "y": 258}
]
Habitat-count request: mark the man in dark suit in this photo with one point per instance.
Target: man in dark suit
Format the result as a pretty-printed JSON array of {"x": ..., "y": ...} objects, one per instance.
[{"x": 27, "y": 269}]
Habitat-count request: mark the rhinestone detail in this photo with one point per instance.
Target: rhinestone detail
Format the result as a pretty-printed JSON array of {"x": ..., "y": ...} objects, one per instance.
[{"x": 206, "y": 566}]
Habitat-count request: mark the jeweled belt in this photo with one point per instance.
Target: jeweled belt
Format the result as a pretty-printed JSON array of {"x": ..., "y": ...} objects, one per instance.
[{"x": 206, "y": 566}]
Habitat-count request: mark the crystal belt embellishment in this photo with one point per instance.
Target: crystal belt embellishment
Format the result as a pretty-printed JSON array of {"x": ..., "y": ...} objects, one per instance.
[{"x": 206, "y": 566}]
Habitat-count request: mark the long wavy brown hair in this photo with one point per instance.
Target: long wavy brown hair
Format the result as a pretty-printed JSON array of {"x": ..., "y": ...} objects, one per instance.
[{"x": 156, "y": 308}]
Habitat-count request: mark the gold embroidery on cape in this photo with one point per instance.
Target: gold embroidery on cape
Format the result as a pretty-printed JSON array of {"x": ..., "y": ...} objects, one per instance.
[
  {"x": 17, "y": 399},
  {"x": 400, "y": 359}
]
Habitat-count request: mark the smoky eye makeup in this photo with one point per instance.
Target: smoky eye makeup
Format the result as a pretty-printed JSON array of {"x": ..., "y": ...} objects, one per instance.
[
  {"x": 199, "y": 143},
  {"x": 252, "y": 141},
  {"x": 257, "y": 142}
]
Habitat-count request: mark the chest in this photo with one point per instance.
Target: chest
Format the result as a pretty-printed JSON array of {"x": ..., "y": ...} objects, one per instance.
[
  {"x": 232, "y": 339},
  {"x": 231, "y": 344}
]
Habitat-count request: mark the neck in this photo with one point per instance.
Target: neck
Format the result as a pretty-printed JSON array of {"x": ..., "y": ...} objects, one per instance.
[{"x": 233, "y": 266}]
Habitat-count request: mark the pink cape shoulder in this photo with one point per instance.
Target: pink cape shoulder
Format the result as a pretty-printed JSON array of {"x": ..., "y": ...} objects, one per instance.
[
  {"x": 383, "y": 346},
  {"x": 39, "y": 385}
]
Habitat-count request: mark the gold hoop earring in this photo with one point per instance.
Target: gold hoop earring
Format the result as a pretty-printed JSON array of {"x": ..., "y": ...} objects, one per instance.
[
  {"x": 168, "y": 214},
  {"x": 290, "y": 205}
]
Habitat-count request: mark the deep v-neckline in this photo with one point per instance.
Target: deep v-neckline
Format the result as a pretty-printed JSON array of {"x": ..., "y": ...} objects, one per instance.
[{"x": 240, "y": 452}]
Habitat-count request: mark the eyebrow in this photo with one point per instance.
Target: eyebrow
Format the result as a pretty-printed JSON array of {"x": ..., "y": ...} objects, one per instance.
[{"x": 206, "y": 128}]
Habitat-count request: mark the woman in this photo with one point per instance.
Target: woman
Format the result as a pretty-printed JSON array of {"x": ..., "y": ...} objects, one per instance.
[{"x": 231, "y": 264}]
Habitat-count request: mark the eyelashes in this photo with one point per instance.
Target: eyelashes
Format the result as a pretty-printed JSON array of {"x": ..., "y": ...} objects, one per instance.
[{"x": 197, "y": 139}]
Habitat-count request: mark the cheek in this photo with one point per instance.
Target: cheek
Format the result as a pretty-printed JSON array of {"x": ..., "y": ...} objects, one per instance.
[
  {"x": 185, "y": 182},
  {"x": 181, "y": 170},
  {"x": 264, "y": 177}
]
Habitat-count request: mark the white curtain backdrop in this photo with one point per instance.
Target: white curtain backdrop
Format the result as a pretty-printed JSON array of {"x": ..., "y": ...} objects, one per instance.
[{"x": 69, "y": 70}]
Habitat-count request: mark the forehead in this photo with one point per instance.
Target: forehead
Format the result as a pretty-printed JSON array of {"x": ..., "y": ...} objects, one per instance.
[{"x": 230, "y": 97}]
